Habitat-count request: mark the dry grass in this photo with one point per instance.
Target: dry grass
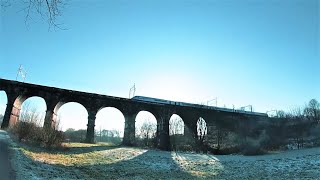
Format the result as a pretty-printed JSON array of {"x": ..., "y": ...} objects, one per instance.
[
  {"x": 100, "y": 161},
  {"x": 76, "y": 155},
  {"x": 80, "y": 145},
  {"x": 63, "y": 159}
]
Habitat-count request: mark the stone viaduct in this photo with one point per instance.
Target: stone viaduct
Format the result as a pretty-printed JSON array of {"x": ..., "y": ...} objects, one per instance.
[{"x": 18, "y": 92}]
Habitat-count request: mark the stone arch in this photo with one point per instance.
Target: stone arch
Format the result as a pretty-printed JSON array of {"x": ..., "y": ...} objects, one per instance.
[
  {"x": 146, "y": 127},
  {"x": 32, "y": 109},
  {"x": 109, "y": 124},
  {"x": 18, "y": 101},
  {"x": 16, "y": 105},
  {"x": 71, "y": 114}
]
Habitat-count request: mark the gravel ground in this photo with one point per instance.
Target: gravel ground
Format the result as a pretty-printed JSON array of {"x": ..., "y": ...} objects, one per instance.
[{"x": 135, "y": 163}]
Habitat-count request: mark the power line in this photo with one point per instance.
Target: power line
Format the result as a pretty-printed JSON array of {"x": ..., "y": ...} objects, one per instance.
[
  {"x": 22, "y": 73},
  {"x": 132, "y": 91},
  {"x": 215, "y": 99}
]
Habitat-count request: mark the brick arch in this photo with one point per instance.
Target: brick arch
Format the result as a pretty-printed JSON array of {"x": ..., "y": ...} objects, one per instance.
[
  {"x": 17, "y": 105},
  {"x": 59, "y": 105},
  {"x": 36, "y": 102},
  {"x": 149, "y": 109},
  {"x": 119, "y": 108},
  {"x": 155, "y": 117},
  {"x": 64, "y": 100},
  {"x": 19, "y": 100}
]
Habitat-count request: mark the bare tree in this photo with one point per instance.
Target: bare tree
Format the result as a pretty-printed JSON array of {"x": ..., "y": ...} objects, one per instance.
[
  {"x": 280, "y": 114},
  {"x": 30, "y": 114},
  {"x": 201, "y": 134},
  {"x": 312, "y": 111},
  {"x": 176, "y": 126},
  {"x": 5, "y": 3},
  {"x": 176, "y": 132},
  {"x": 148, "y": 129},
  {"x": 299, "y": 130},
  {"x": 201, "y": 129},
  {"x": 296, "y": 114},
  {"x": 48, "y": 10},
  {"x": 146, "y": 132}
]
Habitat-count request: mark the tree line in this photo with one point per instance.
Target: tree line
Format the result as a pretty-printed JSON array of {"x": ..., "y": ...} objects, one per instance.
[
  {"x": 298, "y": 127},
  {"x": 294, "y": 129}
]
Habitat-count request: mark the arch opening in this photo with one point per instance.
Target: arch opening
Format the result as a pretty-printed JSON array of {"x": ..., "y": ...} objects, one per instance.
[
  {"x": 176, "y": 131},
  {"x": 109, "y": 125},
  {"x": 176, "y": 125},
  {"x": 33, "y": 109},
  {"x": 3, "y": 104},
  {"x": 146, "y": 129},
  {"x": 72, "y": 118},
  {"x": 201, "y": 129}
]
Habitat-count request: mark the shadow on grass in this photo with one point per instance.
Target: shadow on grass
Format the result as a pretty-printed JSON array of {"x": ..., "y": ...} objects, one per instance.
[
  {"x": 151, "y": 164},
  {"x": 137, "y": 164}
]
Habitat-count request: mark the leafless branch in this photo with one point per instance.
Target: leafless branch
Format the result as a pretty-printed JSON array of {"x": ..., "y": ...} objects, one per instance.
[
  {"x": 48, "y": 10},
  {"x": 5, "y": 3}
]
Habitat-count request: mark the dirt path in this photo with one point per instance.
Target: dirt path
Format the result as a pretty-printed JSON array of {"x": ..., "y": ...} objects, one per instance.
[{"x": 6, "y": 171}]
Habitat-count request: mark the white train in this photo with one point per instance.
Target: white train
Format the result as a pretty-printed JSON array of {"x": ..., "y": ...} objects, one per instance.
[{"x": 177, "y": 103}]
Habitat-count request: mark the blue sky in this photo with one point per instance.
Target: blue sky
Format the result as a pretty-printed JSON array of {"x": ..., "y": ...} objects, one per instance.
[{"x": 263, "y": 53}]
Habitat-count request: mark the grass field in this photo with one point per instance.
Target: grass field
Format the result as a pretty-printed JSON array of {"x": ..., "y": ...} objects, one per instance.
[
  {"x": 99, "y": 161},
  {"x": 104, "y": 161}
]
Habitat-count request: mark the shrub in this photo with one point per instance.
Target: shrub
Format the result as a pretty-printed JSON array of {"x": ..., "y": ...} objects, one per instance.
[
  {"x": 24, "y": 131},
  {"x": 146, "y": 142},
  {"x": 30, "y": 133},
  {"x": 52, "y": 138}
]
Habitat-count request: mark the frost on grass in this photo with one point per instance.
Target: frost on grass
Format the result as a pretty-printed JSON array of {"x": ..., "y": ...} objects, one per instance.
[{"x": 84, "y": 161}]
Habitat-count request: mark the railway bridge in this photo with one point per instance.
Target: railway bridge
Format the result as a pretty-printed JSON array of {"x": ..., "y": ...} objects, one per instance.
[{"x": 230, "y": 119}]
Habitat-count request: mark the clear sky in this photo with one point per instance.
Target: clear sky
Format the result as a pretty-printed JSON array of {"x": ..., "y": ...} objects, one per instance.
[{"x": 263, "y": 53}]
